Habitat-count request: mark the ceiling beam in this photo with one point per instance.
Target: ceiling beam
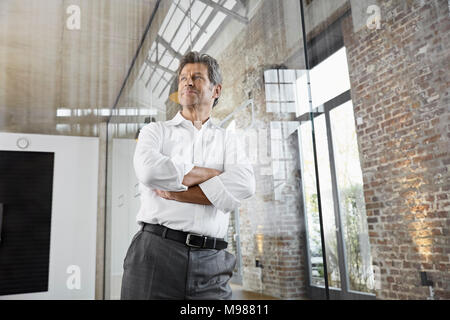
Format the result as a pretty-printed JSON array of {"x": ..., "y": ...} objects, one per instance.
[
  {"x": 169, "y": 48},
  {"x": 151, "y": 63},
  {"x": 187, "y": 14},
  {"x": 231, "y": 13}
]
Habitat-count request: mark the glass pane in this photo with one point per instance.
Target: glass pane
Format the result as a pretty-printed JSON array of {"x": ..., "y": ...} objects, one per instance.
[
  {"x": 259, "y": 101},
  {"x": 351, "y": 199},
  {"x": 326, "y": 196},
  {"x": 329, "y": 78},
  {"x": 99, "y": 71},
  {"x": 302, "y": 93},
  {"x": 311, "y": 206}
]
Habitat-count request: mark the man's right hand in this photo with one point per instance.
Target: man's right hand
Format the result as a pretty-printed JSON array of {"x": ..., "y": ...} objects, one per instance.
[{"x": 198, "y": 175}]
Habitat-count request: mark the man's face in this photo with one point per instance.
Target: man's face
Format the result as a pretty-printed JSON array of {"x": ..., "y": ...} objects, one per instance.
[{"x": 194, "y": 87}]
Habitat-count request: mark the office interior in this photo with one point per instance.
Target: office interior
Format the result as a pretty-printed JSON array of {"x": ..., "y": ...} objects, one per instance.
[{"x": 342, "y": 106}]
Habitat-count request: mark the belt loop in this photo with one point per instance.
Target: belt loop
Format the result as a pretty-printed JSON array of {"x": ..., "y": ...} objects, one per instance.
[
  {"x": 214, "y": 243},
  {"x": 142, "y": 226},
  {"x": 164, "y": 233}
]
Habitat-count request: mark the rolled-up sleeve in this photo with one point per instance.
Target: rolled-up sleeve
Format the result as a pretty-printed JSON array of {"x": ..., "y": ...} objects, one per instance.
[
  {"x": 154, "y": 169},
  {"x": 236, "y": 183}
]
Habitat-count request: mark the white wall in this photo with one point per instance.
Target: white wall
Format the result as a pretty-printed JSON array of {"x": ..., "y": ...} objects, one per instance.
[
  {"x": 74, "y": 212},
  {"x": 125, "y": 203}
]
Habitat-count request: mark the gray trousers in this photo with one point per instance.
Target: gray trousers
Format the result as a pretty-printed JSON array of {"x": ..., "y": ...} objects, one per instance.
[{"x": 159, "y": 268}]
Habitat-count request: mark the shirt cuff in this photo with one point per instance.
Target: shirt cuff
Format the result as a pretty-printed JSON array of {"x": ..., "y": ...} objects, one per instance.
[
  {"x": 187, "y": 168},
  {"x": 218, "y": 195}
]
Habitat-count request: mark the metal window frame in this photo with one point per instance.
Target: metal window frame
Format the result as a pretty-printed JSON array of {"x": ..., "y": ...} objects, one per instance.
[
  {"x": 314, "y": 54},
  {"x": 317, "y": 291}
]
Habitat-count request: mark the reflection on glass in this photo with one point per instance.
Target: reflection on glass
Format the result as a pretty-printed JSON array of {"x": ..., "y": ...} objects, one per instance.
[
  {"x": 280, "y": 88},
  {"x": 280, "y": 132},
  {"x": 301, "y": 84},
  {"x": 330, "y": 78},
  {"x": 311, "y": 205},
  {"x": 351, "y": 199}
]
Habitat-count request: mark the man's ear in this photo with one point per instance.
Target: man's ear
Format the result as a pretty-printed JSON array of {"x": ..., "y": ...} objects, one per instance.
[{"x": 217, "y": 91}]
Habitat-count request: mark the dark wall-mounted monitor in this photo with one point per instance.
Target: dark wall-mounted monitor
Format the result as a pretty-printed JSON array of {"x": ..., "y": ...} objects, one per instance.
[{"x": 26, "y": 186}]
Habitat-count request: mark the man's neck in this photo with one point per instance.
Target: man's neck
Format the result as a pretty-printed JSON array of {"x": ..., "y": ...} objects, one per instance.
[{"x": 195, "y": 115}]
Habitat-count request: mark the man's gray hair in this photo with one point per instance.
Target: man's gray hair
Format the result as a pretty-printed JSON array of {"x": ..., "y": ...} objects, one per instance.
[{"x": 214, "y": 74}]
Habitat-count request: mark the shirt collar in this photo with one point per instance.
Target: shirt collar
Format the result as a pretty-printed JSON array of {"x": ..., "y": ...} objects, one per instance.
[{"x": 178, "y": 119}]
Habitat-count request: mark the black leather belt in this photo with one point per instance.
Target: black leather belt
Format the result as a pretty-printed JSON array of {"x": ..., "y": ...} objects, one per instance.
[{"x": 189, "y": 239}]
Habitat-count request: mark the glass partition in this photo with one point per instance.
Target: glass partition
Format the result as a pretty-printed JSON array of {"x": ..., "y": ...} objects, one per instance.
[
  {"x": 258, "y": 47},
  {"x": 342, "y": 121},
  {"x": 341, "y": 105}
]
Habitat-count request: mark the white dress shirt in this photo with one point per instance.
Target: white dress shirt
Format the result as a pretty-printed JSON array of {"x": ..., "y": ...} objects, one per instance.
[{"x": 167, "y": 150}]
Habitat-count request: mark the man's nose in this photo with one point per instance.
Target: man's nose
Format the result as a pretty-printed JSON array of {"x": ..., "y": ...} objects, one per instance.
[{"x": 189, "y": 82}]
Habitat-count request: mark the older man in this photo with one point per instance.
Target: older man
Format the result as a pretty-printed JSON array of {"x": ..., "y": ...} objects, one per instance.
[{"x": 192, "y": 174}]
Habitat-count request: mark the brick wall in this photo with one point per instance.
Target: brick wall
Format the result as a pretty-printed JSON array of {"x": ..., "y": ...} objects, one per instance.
[{"x": 400, "y": 89}]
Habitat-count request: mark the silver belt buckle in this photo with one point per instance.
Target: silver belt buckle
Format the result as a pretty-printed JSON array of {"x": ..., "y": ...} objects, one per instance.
[{"x": 188, "y": 238}]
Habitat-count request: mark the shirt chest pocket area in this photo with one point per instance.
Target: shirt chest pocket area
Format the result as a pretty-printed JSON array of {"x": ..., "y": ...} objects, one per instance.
[
  {"x": 208, "y": 149},
  {"x": 213, "y": 152},
  {"x": 177, "y": 145}
]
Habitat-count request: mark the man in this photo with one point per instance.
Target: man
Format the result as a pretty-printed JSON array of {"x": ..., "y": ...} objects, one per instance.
[{"x": 191, "y": 175}]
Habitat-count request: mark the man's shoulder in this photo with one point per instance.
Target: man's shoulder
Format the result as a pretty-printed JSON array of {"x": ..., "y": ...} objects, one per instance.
[
  {"x": 151, "y": 126},
  {"x": 158, "y": 124}
]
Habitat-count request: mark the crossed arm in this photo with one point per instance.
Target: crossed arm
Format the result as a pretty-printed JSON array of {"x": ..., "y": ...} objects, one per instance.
[
  {"x": 194, "y": 193},
  {"x": 174, "y": 178}
]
